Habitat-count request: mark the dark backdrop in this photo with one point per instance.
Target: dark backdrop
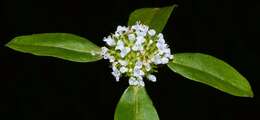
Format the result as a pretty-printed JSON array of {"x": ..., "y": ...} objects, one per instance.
[{"x": 41, "y": 88}]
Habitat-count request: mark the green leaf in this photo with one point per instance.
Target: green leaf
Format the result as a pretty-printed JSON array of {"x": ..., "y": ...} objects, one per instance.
[
  {"x": 211, "y": 71},
  {"x": 135, "y": 104},
  {"x": 61, "y": 45},
  {"x": 155, "y": 18}
]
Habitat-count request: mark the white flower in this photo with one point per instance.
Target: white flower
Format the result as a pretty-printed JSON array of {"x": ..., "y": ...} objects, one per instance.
[
  {"x": 137, "y": 47},
  {"x": 116, "y": 73},
  {"x": 140, "y": 33},
  {"x": 131, "y": 37},
  {"x": 123, "y": 69},
  {"x": 151, "y": 32},
  {"x": 157, "y": 59},
  {"x": 138, "y": 72},
  {"x": 110, "y": 41},
  {"x": 141, "y": 83},
  {"x": 124, "y": 51},
  {"x": 138, "y": 64},
  {"x": 147, "y": 67},
  {"x": 120, "y": 45},
  {"x": 104, "y": 50},
  {"x": 167, "y": 51},
  {"x": 151, "y": 78},
  {"x": 161, "y": 45},
  {"x": 140, "y": 40},
  {"x": 164, "y": 60},
  {"x": 133, "y": 81},
  {"x": 168, "y": 54},
  {"x": 140, "y": 30},
  {"x": 135, "y": 51},
  {"x": 121, "y": 29},
  {"x": 139, "y": 78},
  {"x": 160, "y": 36},
  {"x": 143, "y": 28},
  {"x": 111, "y": 58}
]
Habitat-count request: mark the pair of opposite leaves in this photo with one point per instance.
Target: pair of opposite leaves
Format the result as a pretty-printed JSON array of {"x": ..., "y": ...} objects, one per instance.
[{"x": 135, "y": 104}]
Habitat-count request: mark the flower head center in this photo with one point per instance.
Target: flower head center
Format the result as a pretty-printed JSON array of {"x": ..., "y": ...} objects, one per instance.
[{"x": 135, "y": 52}]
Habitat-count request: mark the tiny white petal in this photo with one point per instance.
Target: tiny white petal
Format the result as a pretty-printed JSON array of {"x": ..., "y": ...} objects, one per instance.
[
  {"x": 111, "y": 58},
  {"x": 139, "y": 64},
  {"x": 123, "y": 69},
  {"x": 164, "y": 60},
  {"x": 140, "y": 39},
  {"x": 141, "y": 73},
  {"x": 147, "y": 67},
  {"x": 124, "y": 52},
  {"x": 138, "y": 72},
  {"x": 117, "y": 35},
  {"x": 130, "y": 82},
  {"x": 161, "y": 46},
  {"x": 167, "y": 51},
  {"x": 114, "y": 64},
  {"x": 135, "y": 82},
  {"x": 160, "y": 36},
  {"x": 110, "y": 41},
  {"x": 133, "y": 27},
  {"x": 121, "y": 29},
  {"x": 104, "y": 50},
  {"x": 161, "y": 41},
  {"x": 141, "y": 83},
  {"x": 151, "y": 32},
  {"x": 117, "y": 78},
  {"x": 104, "y": 53},
  {"x": 140, "y": 33},
  {"x": 120, "y": 45},
  {"x": 137, "y": 47},
  {"x": 151, "y": 78},
  {"x": 144, "y": 28},
  {"x": 139, "y": 78},
  {"x": 116, "y": 75},
  {"x": 105, "y": 57},
  {"x": 157, "y": 59},
  {"x": 131, "y": 37}
]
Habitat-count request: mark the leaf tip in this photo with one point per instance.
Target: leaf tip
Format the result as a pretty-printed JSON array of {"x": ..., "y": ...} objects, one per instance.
[
  {"x": 250, "y": 94},
  {"x": 9, "y": 44},
  {"x": 175, "y": 5}
]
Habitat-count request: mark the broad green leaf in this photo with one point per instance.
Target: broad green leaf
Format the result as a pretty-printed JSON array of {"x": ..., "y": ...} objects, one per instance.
[
  {"x": 135, "y": 104},
  {"x": 211, "y": 71},
  {"x": 61, "y": 45},
  {"x": 155, "y": 18}
]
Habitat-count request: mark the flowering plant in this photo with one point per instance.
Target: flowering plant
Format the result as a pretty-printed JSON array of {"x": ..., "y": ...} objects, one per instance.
[{"x": 134, "y": 52}]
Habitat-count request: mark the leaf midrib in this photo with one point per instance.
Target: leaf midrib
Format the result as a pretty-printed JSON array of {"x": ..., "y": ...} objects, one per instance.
[
  {"x": 80, "y": 51},
  {"x": 209, "y": 75}
]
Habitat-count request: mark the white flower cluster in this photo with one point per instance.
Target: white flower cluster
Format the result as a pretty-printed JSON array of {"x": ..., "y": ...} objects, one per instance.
[{"x": 135, "y": 51}]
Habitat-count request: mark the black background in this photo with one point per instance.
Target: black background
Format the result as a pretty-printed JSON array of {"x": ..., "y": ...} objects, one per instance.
[{"x": 41, "y": 88}]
